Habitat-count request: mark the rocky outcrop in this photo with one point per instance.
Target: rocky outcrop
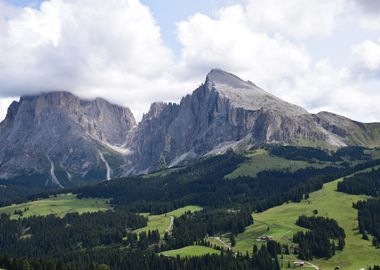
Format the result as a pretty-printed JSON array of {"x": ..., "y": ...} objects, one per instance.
[{"x": 62, "y": 140}]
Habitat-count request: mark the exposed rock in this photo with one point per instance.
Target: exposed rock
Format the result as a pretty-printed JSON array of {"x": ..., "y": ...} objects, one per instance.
[
  {"x": 59, "y": 137},
  {"x": 227, "y": 112},
  {"x": 62, "y": 140}
]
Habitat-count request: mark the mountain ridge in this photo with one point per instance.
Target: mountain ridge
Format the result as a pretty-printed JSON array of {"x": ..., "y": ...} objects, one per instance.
[{"x": 62, "y": 137}]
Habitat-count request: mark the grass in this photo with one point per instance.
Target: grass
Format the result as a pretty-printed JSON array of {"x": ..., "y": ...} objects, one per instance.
[
  {"x": 260, "y": 160},
  {"x": 280, "y": 221},
  {"x": 59, "y": 205},
  {"x": 190, "y": 251},
  {"x": 162, "y": 222},
  {"x": 160, "y": 173},
  {"x": 180, "y": 211}
]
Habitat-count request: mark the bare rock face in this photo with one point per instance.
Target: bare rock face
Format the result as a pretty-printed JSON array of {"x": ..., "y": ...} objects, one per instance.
[
  {"x": 227, "y": 112},
  {"x": 62, "y": 140}
]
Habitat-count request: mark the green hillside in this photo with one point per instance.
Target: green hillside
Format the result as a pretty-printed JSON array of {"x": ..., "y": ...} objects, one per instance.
[
  {"x": 279, "y": 222},
  {"x": 189, "y": 251},
  {"x": 261, "y": 160},
  {"x": 56, "y": 205}
]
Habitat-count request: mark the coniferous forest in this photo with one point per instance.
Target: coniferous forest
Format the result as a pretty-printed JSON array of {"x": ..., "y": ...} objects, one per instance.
[
  {"x": 106, "y": 240},
  {"x": 369, "y": 219},
  {"x": 367, "y": 183}
]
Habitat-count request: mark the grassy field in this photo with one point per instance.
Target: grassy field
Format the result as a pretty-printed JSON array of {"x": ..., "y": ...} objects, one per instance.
[
  {"x": 190, "y": 251},
  {"x": 162, "y": 222},
  {"x": 59, "y": 205},
  {"x": 261, "y": 160},
  {"x": 279, "y": 222}
]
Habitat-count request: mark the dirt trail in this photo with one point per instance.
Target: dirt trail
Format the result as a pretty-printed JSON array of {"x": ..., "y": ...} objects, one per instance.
[
  {"x": 312, "y": 265},
  {"x": 170, "y": 227}
]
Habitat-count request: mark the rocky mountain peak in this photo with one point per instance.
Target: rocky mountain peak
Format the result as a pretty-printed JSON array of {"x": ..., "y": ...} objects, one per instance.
[
  {"x": 62, "y": 138},
  {"x": 245, "y": 94},
  {"x": 219, "y": 76},
  {"x": 155, "y": 109}
]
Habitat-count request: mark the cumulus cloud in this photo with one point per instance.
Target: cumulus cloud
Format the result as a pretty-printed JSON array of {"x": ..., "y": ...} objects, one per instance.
[
  {"x": 366, "y": 12},
  {"x": 229, "y": 43},
  {"x": 365, "y": 59},
  {"x": 281, "y": 65},
  {"x": 369, "y": 6},
  {"x": 114, "y": 49},
  {"x": 298, "y": 18}
]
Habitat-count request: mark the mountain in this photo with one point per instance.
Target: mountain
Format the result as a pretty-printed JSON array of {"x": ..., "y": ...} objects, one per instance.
[
  {"x": 227, "y": 112},
  {"x": 61, "y": 140}
]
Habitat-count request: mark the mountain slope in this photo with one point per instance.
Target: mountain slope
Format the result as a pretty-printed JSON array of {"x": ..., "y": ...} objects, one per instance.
[
  {"x": 61, "y": 140},
  {"x": 227, "y": 112}
]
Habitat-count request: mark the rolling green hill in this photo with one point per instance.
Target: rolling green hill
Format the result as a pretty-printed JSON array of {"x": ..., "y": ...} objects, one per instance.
[
  {"x": 261, "y": 160},
  {"x": 190, "y": 251},
  {"x": 57, "y": 205}
]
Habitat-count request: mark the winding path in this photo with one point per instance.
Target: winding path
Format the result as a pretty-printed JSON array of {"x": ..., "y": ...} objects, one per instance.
[
  {"x": 170, "y": 227},
  {"x": 312, "y": 265}
]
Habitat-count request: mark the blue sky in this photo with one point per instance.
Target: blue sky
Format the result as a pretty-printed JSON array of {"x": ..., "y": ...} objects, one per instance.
[{"x": 322, "y": 55}]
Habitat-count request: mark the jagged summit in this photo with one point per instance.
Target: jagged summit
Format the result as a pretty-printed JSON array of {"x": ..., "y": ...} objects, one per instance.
[{"x": 62, "y": 139}]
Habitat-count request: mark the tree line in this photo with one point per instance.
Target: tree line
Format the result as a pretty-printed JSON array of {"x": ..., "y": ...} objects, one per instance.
[
  {"x": 367, "y": 183},
  {"x": 52, "y": 236}
]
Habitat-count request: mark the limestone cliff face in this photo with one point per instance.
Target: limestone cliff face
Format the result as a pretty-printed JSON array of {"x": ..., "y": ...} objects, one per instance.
[
  {"x": 221, "y": 112},
  {"x": 61, "y": 139},
  {"x": 227, "y": 112}
]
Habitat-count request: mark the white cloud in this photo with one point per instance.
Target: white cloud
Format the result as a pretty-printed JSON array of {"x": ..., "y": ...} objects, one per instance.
[
  {"x": 231, "y": 40},
  {"x": 298, "y": 18},
  {"x": 229, "y": 43},
  {"x": 91, "y": 47},
  {"x": 114, "y": 49},
  {"x": 367, "y": 13},
  {"x": 365, "y": 59}
]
